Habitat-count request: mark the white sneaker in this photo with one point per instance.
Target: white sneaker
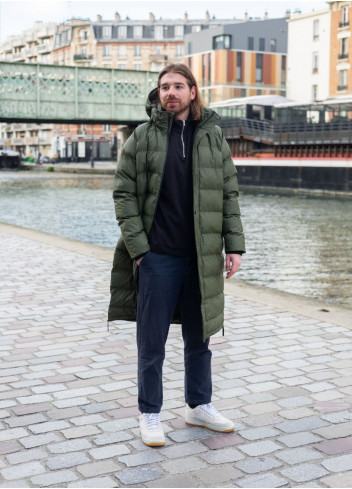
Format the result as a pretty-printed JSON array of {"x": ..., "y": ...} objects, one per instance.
[
  {"x": 207, "y": 416},
  {"x": 151, "y": 430}
]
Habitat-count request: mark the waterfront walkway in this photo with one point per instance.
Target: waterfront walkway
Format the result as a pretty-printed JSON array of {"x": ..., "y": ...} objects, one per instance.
[{"x": 68, "y": 415}]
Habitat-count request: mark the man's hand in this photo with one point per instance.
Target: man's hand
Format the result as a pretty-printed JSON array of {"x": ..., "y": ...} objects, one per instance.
[
  {"x": 233, "y": 263},
  {"x": 139, "y": 260}
]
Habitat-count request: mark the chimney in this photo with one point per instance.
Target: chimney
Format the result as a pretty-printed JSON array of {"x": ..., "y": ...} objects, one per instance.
[
  {"x": 246, "y": 16},
  {"x": 266, "y": 16},
  {"x": 186, "y": 17},
  {"x": 207, "y": 16},
  {"x": 288, "y": 14},
  {"x": 99, "y": 18},
  {"x": 117, "y": 17},
  {"x": 151, "y": 17}
]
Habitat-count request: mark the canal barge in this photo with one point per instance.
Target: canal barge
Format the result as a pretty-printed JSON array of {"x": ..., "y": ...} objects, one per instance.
[{"x": 9, "y": 159}]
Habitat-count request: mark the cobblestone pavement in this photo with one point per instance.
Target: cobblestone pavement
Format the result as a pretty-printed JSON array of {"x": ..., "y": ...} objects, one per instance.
[{"x": 68, "y": 414}]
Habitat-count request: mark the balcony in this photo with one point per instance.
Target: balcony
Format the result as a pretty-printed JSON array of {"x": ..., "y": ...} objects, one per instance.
[
  {"x": 343, "y": 56},
  {"x": 82, "y": 57},
  {"x": 344, "y": 23},
  {"x": 44, "y": 48},
  {"x": 341, "y": 88},
  {"x": 157, "y": 57},
  {"x": 18, "y": 57}
]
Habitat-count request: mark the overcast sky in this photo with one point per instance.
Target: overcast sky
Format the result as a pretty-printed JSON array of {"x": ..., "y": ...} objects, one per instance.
[{"x": 15, "y": 16}]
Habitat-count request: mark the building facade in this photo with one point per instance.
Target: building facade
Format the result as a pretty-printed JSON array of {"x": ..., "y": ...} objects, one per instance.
[
  {"x": 309, "y": 46},
  {"x": 341, "y": 49},
  {"x": 240, "y": 59}
]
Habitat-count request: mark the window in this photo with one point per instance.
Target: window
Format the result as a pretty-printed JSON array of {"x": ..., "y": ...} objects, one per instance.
[
  {"x": 314, "y": 92},
  {"x": 344, "y": 17},
  {"x": 83, "y": 52},
  {"x": 107, "y": 51},
  {"x": 315, "y": 30},
  {"x": 122, "y": 31},
  {"x": 179, "y": 31},
  {"x": 196, "y": 28},
  {"x": 283, "y": 70},
  {"x": 106, "y": 128},
  {"x": 343, "y": 48},
  {"x": 189, "y": 48},
  {"x": 259, "y": 68},
  {"x": 204, "y": 63},
  {"x": 121, "y": 66},
  {"x": 159, "y": 32},
  {"x": 179, "y": 50},
  {"x": 251, "y": 43},
  {"x": 315, "y": 62},
  {"x": 342, "y": 80},
  {"x": 138, "y": 31},
  {"x": 122, "y": 51},
  {"x": 222, "y": 42},
  {"x": 137, "y": 51},
  {"x": 158, "y": 49},
  {"x": 106, "y": 31},
  {"x": 137, "y": 66},
  {"x": 261, "y": 44},
  {"x": 273, "y": 45},
  {"x": 239, "y": 67}
]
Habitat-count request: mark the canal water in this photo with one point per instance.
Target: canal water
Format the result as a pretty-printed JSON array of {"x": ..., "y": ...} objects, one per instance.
[{"x": 295, "y": 243}]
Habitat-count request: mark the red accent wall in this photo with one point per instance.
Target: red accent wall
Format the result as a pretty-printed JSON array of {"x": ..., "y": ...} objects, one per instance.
[{"x": 267, "y": 69}]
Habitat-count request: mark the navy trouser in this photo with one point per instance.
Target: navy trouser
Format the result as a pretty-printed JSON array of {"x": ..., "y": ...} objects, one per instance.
[{"x": 164, "y": 282}]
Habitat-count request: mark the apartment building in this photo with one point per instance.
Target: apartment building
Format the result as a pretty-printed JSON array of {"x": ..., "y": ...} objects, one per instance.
[
  {"x": 118, "y": 44},
  {"x": 341, "y": 49},
  {"x": 309, "y": 46},
  {"x": 240, "y": 59}
]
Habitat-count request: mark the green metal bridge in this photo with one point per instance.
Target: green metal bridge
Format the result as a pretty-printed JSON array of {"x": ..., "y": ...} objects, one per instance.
[{"x": 51, "y": 93}]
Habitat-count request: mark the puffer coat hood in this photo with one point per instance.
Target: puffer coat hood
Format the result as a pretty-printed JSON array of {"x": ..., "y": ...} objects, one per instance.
[{"x": 217, "y": 222}]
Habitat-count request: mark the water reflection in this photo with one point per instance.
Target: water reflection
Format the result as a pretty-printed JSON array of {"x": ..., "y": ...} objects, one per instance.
[{"x": 295, "y": 243}]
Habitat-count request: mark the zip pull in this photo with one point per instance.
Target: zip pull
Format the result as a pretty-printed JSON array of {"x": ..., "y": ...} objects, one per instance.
[{"x": 183, "y": 143}]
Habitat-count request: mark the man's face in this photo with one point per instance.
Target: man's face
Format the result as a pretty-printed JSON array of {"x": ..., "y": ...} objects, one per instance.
[{"x": 175, "y": 95}]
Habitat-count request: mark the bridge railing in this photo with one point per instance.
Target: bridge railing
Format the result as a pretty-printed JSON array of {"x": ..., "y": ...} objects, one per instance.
[{"x": 65, "y": 93}]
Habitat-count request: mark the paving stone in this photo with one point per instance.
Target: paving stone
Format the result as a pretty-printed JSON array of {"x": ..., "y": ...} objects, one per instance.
[
  {"x": 334, "y": 447},
  {"x": 95, "y": 482},
  {"x": 292, "y": 402},
  {"x": 53, "y": 478},
  {"x": 143, "y": 458},
  {"x": 38, "y": 440},
  {"x": 181, "y": 480},
  {"x": 26, "y": 420},
  {"x": 342, "y": 463},
  {"x": 339, "y": 480},
  {"x": 304, "y": 472},
  {"x": 16, "y": 483},
  {"x": 99, "y": 407},
  {"x": 298, "y": 439},
  {"x": 138, "y": 476},
  {"x": 259, "y": 464},
  {"x": 303, "y": 424},
  {"x": 13, "y": 434},
  {"x": 67, "y": 460},
  {"x": 80, "y": 432},
  {"x": 9, "y": 447},
  {"x": 189, "y": 434},
  {"x": 94, "y": 469},
  {"x": 259, "y": 433},
  {"x": 217, "y": 475},
  {"x": 262, "y": 480},
  {"x": 26, "y": 456},
  {"x": 259, "y": 448},
  {"x": 298, "y": 455},
  {"x": 222, "y": 441},
  {"x": 184, "y": 450},
  {"x": 222, "y": 455},
  {"x": 107, "y": 438},
  {"x": 70, "y": 446},
  {"x": 49, "y": 426},
  {"x": 124, "y": 412},
  {"x": 189, "y": 464},
  {"x": 22, "y": 470},
  {"x": 335, "y": 431},
  {"x": 108, "y": 451}
]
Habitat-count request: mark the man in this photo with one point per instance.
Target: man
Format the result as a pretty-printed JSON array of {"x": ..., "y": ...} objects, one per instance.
[{"x": 176, "y": 203}]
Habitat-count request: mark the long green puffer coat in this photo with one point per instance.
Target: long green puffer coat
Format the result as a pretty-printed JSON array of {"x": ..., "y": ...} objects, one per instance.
[{"x": 217, "y": 221}]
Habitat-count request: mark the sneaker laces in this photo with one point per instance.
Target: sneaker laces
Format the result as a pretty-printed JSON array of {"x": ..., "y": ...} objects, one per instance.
[
  {"x": 210, "y": 409},
  {"x": 152, "y": 421}
]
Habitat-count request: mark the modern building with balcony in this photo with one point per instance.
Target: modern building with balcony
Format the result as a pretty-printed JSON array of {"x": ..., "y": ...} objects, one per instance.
[{"x": 241, "y": 59}]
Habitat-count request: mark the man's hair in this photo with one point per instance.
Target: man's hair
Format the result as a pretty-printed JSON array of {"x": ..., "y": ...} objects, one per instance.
[{"x": 197, "y": 104}]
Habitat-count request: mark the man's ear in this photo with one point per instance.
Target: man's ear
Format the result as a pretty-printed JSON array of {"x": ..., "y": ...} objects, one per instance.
[{"x": 193, "y": 93}]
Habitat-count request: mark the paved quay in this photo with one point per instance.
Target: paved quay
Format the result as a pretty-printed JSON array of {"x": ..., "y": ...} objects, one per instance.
[{"x": 68, "y": 406}]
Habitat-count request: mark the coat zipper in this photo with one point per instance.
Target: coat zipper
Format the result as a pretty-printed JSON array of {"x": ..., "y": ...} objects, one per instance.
[{"x": 182, "y": 141}]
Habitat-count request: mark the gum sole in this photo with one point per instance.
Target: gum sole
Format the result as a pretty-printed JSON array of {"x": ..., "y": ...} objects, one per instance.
[
  {"x": 212, "y": 429},
  {"x": 154, "y": 444}
]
